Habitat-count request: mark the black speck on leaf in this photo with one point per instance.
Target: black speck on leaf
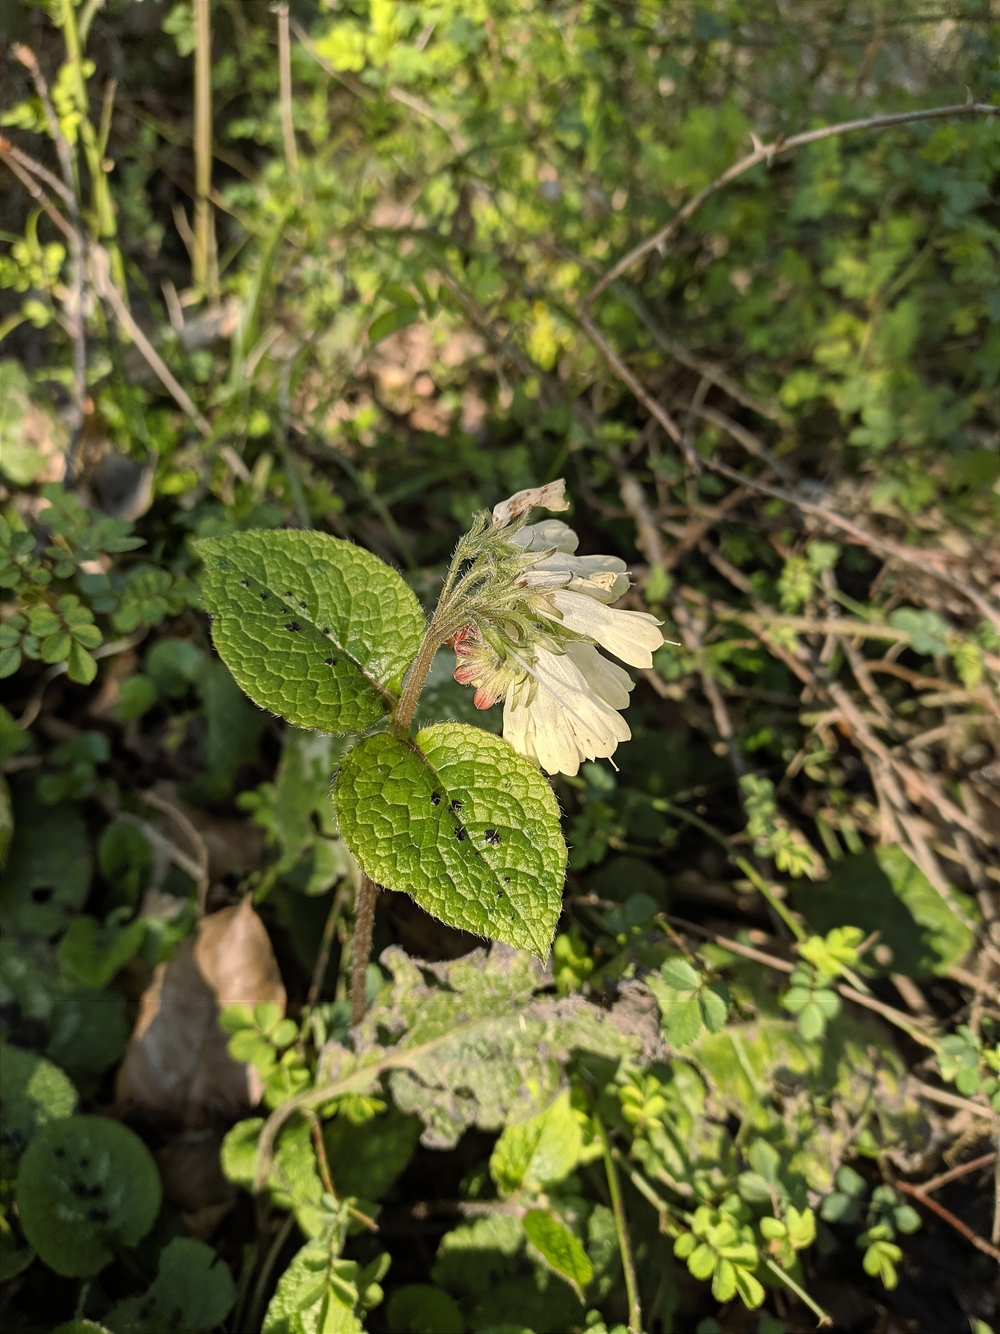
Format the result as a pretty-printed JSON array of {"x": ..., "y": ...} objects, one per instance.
[
  {"x": 492, "y": 837},
  {"x": 460, "y": 833},
  {"x": 292, "y": 625},
  {"x": 329, "y": 661},
  {"x": 435, "y": 798},
  {"x": 455, "y": 806},
  {"x": 245, "y": 583},
  {"x": 263, "y": 597}
]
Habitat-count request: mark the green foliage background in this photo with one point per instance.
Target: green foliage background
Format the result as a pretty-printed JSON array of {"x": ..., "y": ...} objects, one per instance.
[{"x": 385, "y": 336}]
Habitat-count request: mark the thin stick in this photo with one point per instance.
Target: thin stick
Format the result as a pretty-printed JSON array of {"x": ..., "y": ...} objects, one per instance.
[
  {"x": 962, "y": 1170},
  {"x": 195, "y": 840},
  {"x": 914, "y": 556},
  {"x": 270, "y": 1260},
  {"x": 800, "y": 1292},
  {"x": 364, "y": 924},
  {"x": 621, "y": 1227},
  {"x": 100, "y": 265},
  {"x": 285, "y": 90},
  {"x": 647, "y": 400},
  {"x": 963, "y": 1229},
  {"x": 323, "y": 957},
  {"x": 762, "y": 153},
  {"x": 947, "y": 1099}
]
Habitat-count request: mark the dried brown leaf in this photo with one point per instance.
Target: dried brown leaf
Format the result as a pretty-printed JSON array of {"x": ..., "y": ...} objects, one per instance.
[{"x": 177, "y": 1070}]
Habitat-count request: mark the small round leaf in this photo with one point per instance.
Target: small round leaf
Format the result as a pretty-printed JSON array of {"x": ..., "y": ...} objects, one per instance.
[{"x": 86, "y": 1185}]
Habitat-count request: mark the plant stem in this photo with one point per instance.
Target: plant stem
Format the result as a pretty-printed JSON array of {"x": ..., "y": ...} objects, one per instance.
[
  {"x": 750, "y": 871},
  {"x": 285, "y": 91},
  {"x": 621, "y": 1227},
  {"x": 323, "y": 957},
  {"x": 800, "y": 1292},
  {"x": 364, "y": 922},
  {"x": 204, "y": 250},
  {"x": 417, "y": 675}
]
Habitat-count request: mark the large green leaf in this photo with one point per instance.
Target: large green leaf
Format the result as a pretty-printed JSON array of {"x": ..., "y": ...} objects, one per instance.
[
  {"x": 312, "y": 627},
  {"x": 461, "y": 822},
  {"x": 884, "y": 891},
  {"x": 86, "y": 1186}
]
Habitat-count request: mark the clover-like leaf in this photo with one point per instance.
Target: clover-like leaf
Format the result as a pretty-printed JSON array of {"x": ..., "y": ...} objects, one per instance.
[
  {"x": 86, "y": 1186},
  {"x": 312, "y": 627},
  {"x": 687, "y": 1001},
  {"x": 558, "y": 1247},
  {"x": 461, "y": 822}
]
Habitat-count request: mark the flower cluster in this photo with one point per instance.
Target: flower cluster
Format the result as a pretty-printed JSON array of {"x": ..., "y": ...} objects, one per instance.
[{"x": 561, "y": 695}]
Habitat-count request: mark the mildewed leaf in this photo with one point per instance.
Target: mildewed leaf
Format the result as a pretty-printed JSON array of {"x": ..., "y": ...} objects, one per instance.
[
  {"x": 560, "y": 1250},
  {"x": 461, "y": 822},
  {"x": 312, "y": 627}
]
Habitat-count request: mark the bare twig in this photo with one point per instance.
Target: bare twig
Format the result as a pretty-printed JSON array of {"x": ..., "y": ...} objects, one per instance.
[
  {"x": 285, "y": 90},
  {"x": 962, "y": 1170},
  {"x": 195, "y": 840},
  {"x": 963, "y": 1229},
  {"x": 100, "y": 267},
  {"x": 647, "y": 400},
  {"x": 764, "y": 153},
  {"x": 914, "y": 556}
]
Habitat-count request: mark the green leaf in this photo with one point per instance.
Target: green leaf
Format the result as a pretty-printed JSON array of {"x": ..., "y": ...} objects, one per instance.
[
  {"x": 94, "y": 954},
  {"x": 33, "y": 1092},
  {"x": 884, "y": 891},
  {"x": 313, "y": 628},
  {"x": 462, "y": 823},
  {"x": 86, "y": 1185},
  {"x": 558, "y": 1247},
  {"x": 193, "y": 1291},
  {"x": 679, "y": 974},
  {"x": 80, "y": 666},
  {"x": 47, "y": 876},
  {"x": 392, "y": 320},
  {"x": 422, "y": 1308},
  {"x": 538, "y": 1152}
]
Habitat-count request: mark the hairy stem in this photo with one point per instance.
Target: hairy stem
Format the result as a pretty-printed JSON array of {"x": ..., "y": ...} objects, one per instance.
[
  {"x": 621, "y": 1227},
  {"x": 364, "y": 922}
]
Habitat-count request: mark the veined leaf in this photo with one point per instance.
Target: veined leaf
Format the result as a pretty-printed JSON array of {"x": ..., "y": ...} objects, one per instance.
[
  {"x": 312, "y": 627},
  {"x": 560, "y": 1250},
  {"x": 461, "y": 822}
]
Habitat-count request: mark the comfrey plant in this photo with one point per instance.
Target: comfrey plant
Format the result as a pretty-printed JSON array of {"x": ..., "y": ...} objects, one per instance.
[{"x": 328, "y": 636}]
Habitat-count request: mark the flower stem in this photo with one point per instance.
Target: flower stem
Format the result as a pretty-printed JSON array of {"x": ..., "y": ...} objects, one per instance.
[
  {"x": 621, "y": 1227},
  {"x": 417, "y": 675},
  {"x": 364, "y": 923},
  {"x": 750, "y": 871}
]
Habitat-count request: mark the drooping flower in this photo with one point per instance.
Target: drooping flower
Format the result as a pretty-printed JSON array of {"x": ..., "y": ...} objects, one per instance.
[{"x": 561, "y": 696}]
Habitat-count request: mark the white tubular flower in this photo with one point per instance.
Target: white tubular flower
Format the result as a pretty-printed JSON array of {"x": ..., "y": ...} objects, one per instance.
[
  {"x": 566, "y": 710},
  {"x": 629, "y": 635},
  {"x": 560, "y": 695}
]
